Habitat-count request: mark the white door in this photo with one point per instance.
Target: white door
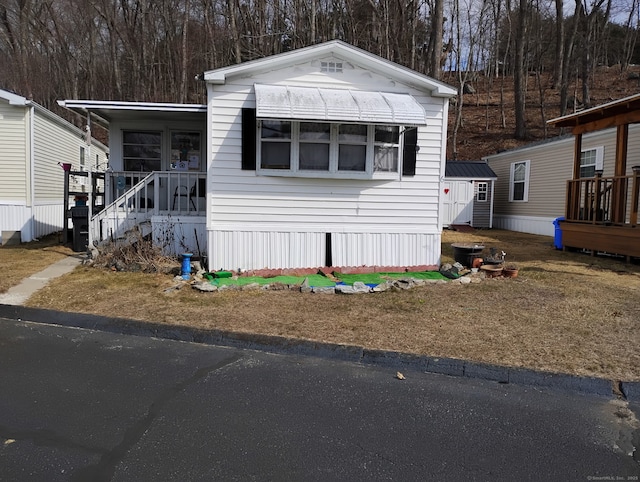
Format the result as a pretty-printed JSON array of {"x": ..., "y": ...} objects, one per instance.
[{"x": 457, "y": 205}]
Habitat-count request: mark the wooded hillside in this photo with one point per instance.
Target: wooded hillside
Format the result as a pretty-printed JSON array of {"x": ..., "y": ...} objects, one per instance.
[{"x": 521, "y": 62}]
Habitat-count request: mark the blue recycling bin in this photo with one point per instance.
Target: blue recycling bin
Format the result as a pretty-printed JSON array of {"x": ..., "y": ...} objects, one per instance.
[{"x": 557, "y": 238}]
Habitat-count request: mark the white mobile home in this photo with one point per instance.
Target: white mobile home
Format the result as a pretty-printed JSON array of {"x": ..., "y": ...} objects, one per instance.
[
  {"x": 33, "y": 143},
  {"x": 531, "y": 191},
  {"x": 322, "y": 156}
]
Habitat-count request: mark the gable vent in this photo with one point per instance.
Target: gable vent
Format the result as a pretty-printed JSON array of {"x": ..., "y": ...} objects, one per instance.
[{"x": 335, "y": 67}]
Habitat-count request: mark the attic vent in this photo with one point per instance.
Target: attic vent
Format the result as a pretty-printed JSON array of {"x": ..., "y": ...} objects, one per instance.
[{"x": 331, "y": 67}]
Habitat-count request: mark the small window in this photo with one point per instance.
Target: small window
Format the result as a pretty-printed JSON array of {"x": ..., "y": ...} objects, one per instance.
[
  {"x": 483, "y": 192},
  {"x": 591, "y": 160},
  {"x": 334, "y": 67},
  {"x": 142, "y": 150},
  {"x": 82, "y": 158},
  {"x": 519, "y": 181}
]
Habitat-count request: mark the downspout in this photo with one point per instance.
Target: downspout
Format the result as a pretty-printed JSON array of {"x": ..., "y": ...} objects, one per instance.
[{"x": 32, "y": 165}]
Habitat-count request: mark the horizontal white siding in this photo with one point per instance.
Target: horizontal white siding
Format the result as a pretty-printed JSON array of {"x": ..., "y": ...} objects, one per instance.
[
  {"x": 14, "y": 174},
  {"x": 52, "y": 144},
  {"x": 245, "y": 202}
]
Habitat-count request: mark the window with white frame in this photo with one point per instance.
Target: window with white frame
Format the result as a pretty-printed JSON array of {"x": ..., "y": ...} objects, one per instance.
[
  {"x": 519, "y": 181},
  {"x": 591, "y": 160},
  {"x": 482, "y": 192},
  {"x": 82, "y": 157},
  {"x": 322, "y": 149},
  {"x": 142, "y": 150}
]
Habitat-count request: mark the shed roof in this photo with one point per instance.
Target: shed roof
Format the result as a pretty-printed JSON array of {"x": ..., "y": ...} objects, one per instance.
[{"x": 469, "y": 170}]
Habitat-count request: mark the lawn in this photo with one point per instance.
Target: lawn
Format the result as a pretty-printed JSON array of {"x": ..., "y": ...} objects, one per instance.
[{"x": 565, "y": 312}]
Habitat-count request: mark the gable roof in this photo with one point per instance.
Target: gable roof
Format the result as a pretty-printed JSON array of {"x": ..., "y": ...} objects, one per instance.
[
  {"x": 469, "y": 170},
  {"x": 339, "y": 49},
  {"x": 13, "y": 99}
]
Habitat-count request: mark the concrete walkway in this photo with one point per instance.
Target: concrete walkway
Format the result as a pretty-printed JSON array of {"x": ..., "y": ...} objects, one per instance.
[{"x": 17, "y": 295}]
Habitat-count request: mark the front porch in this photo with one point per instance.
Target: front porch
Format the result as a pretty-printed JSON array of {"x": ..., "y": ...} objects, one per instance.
[
  {"x": 170, "y": 205},
  {"x": 601, "y": 213}
]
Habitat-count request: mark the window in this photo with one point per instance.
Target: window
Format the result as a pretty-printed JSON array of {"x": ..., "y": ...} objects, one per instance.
[
  {"x": 482, "y": 192},
  {"x": 322, "y": 149},
  {"x": 142, "y": 150},
  {"x": 591, "y": 161},
  {"x": 331, "y": 67},
  {"x": 519, "y": 181},
  {"x": 185, "y": 151}
]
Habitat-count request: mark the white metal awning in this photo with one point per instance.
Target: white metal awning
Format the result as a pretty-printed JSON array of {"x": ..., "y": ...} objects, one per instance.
[{"x": 316, "y": 103}]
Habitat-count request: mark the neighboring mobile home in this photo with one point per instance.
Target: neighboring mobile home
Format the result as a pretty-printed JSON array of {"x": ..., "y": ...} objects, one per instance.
[
  {"x": 531, "y": 191},
  {"x": 467, "y": 194},
  {"x": 322, "y": 156},
  {"x": 34, "y": 142}
]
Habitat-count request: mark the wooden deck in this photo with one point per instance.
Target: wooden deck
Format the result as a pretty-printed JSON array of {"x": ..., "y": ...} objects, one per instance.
[{"x": 596, "y": 238}]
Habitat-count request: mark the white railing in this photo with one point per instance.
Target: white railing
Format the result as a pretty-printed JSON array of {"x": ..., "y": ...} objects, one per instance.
[{"x": 137, "y": 196}]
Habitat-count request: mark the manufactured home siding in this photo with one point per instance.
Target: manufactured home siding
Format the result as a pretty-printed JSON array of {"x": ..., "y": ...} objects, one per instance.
[
  {"x": 14, "y": 153},
  {"x": 551, "y": 166},
  {"x": 245, "y": 207},
  {"x": 53, "y": 144}
]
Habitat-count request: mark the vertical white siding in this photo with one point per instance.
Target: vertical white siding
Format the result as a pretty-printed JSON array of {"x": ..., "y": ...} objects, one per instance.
[{"x": 299, "y": 211}]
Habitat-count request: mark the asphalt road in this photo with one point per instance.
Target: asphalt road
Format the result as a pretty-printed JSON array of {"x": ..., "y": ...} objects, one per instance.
[{"x": 81, "y": 405}]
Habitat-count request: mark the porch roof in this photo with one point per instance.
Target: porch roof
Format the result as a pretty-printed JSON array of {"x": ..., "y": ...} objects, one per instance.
[
  {"x": 619, "y": 112},
  {"x": 105, "y": 111}
]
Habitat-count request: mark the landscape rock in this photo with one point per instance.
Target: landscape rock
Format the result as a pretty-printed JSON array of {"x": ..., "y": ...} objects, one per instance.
[
  {"x": 204, "y": 286},
  {"x": 324, "y": 290}
]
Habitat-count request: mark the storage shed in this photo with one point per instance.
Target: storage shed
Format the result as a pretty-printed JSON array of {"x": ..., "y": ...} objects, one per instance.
[{"x": 467, "y": 194}]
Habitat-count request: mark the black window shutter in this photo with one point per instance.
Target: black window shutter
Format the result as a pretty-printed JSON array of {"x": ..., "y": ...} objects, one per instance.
[
  {"x": 248, "y": 139},
  {"x": 409, "y": 152}
]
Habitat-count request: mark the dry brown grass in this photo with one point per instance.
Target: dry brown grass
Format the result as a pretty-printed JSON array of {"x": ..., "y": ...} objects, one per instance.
[
  {"x": 21, "y": 261},
  {"x": 566, "y": 312}
]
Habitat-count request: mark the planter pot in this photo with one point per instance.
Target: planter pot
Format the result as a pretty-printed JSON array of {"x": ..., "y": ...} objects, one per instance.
[
  {"x": 491, "y": 271},
  {"x": 509, "y": 273},
  {"x": 466, "y": 254}
]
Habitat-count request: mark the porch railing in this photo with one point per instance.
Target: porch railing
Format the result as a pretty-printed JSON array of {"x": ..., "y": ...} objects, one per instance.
[
  {"x": 604, "y": 200},
  {"x": 137, "y": 196}
]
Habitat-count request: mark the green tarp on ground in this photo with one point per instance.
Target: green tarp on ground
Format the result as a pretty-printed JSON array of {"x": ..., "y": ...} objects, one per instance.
[
  {"x": 377, "y": 278},
  {"x": 321, "y": 280}
]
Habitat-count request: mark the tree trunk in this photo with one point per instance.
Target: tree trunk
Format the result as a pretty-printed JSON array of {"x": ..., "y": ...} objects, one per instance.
[{"x": 520, "y": 73}]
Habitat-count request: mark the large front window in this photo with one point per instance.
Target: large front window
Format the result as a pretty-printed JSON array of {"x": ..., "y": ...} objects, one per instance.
[
  {"x": 142, "y": 150},
  {"x": 326, "y": 149}
]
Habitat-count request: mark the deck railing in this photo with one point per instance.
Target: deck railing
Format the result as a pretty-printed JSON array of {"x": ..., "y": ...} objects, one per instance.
[
  {"x": 137, "y": 196},
  {"x": 604, "y": 200}
]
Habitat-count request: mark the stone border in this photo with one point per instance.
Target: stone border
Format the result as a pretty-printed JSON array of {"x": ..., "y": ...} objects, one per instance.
[{"x": 353, "y": 353}]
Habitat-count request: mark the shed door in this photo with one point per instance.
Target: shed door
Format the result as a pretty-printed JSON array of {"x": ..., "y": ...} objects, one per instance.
[{"x": 457, "y": 205}]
